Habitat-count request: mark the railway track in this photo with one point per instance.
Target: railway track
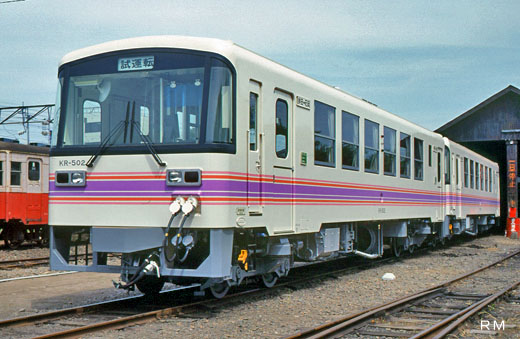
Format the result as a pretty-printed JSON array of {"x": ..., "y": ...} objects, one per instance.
[
  {"x": 125, "y": 312},
  {"x": 120, "y": 313},
  {"x": 432, "y": 313},
  {"x": 22, "y": 263}
]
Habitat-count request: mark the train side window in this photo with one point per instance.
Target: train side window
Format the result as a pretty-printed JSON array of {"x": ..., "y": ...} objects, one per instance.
[
  {"x": 471, "y": 174},
  {"x": 477, "y": 178},
  {"x": 418, "y": 159},
  {"x": 490, "y": 180},
  {"x": 389, "y": 156},
  {"x": 1, "y": 173},
  {"x": 350, "y": 141},
  {"x": 481, "y": 177},
  {"x": 405, "y": 155},
  {"x": 253, "y": 104},
  {"x": 371, "y": 147},
  {"x": 487, "y": 178},
  {"x": 282, "y": 132},
  {"x": 447, "y": 165},
  {"x": 16, "y": 173},
  {"x": 429, "y": 155},
  {"x": 34, "y": 170},
  {"x": 466, "y": 172},
  {"x": 324, "y": 134}
]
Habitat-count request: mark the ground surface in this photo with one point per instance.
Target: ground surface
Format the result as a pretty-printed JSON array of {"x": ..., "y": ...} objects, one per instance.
[{"x": 280, "y": 314}]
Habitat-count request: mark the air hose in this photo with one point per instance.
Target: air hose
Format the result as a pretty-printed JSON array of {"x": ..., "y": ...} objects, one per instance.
[
  {"x": 187, "y": 208},
  {"x": 147, "y": 266},
  {"x": 177, "y": 237}
]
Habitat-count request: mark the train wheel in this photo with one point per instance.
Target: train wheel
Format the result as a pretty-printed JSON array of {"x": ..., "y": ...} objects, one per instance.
[
  {"x": 219, "y": 290},
  {"x": 150, "y": 285},
  {"x": 396, "y": 248},
  {"x": 13, "y": 237},
  {"x": 269, "y": 279},
  {"x": 411, "y": 249}
]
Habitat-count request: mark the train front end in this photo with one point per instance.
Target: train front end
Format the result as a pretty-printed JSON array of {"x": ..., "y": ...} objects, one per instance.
[{"x": 143, "y": 148}]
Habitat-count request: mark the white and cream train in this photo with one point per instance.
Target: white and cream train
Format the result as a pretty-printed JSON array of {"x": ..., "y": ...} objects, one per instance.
[{"x": 201, "y": 162}]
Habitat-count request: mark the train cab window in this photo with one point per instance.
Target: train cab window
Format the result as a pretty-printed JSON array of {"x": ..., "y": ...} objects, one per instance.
[
  {"x": 253, "y": 104},
  {"x": 324, "y": 134},
  {"x": 371, "y": 147},
  {"x": 457, "y": 171},
  {"x": 477, "y": 177},
  {"x": 439, "y": 179},
  {"x": 471, "y": 174},
  {"x": 219, "y": 120},
  {"x": 282, "y": 132},
  {"x": 91, "y": 121},
  {"x": 144, "y": 120},
  {"x": 350, "y": 141},
  {"x": 34, "y": 170},
  {"x": 447, "y": 166},
  {"x": 466, "y": 172},
  {"x": 389, "y": 159},
  {"x": 16, "y": 173},
  {"x": 418, "y": 164},
  {"x": 405, "y": 152}
]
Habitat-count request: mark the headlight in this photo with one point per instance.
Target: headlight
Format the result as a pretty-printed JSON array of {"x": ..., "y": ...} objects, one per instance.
[
  {"x": 183, "y": 177},
  {"x": 78, "y": 178},
  {"x": 70, "y": 178}
]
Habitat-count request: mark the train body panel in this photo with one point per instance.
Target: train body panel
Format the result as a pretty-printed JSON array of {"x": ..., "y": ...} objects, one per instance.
[
  {"x": 268, "y": 166},
  {"x": 24, "y": 191}
]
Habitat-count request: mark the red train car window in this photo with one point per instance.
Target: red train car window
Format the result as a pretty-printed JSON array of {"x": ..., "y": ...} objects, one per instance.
[
  {"x": 16, "y": 173},
  {"x": 34, "y": 170}
]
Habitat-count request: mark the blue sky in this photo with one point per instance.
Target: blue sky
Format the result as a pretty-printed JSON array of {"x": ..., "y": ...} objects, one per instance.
[{"x": 427, "y": 61}]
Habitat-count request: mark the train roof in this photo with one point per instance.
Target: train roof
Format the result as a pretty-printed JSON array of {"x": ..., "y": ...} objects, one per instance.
[
  {"x": 231, "y": 50},
  {"x": 22, "y": 148}
]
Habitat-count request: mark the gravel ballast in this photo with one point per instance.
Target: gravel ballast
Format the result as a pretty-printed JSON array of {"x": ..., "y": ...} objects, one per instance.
[{"x": 290, "y": 310}]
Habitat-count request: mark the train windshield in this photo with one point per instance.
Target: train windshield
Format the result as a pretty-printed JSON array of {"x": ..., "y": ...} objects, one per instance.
[{"x": 171, "y": 99}]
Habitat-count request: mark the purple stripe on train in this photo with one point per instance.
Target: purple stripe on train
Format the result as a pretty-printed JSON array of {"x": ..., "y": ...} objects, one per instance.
[{"x": 231, "y": 188}]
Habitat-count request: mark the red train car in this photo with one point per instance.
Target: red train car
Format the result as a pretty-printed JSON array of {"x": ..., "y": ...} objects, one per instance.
[{"x": 24, "y": 193}]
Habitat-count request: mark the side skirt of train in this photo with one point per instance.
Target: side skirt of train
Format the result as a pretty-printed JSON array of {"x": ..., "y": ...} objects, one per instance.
[{"x": 199, "y": 256}]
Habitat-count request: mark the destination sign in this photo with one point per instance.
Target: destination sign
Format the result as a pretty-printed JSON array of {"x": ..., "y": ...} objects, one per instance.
[{"x": 135, "y": 64}]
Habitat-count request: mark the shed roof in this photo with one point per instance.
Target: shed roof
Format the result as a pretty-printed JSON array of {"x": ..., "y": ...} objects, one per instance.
[{"x": 467, "y": 114}]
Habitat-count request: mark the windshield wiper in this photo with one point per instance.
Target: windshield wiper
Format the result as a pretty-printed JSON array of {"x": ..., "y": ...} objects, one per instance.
[
  {"x": 117, "y": 128},
  {"x": 144, "y": 138},
  {"x": 104, "y": 144}
]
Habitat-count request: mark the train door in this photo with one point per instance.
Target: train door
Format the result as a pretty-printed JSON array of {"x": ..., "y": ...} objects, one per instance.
[
  {"x": 255, "y": 151},
  {"x": 449, "y": 194},
  {"x": 283, "y": 166},
  {"x": 34, "y": 183},
  {"x": 3, "y": 190},
  {"x": 458, "y": 185},
  {"x": 34, "y": 190},
  {"x": 437, "y": 161}
]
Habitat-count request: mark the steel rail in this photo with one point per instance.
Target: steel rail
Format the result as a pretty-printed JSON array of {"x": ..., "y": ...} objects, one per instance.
[
  {"x": 325, "y": 330},
  {"x": 23, "y": 262},
  {"x": 449, "y": 324},
  {"x": 152, "y": 315}
]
